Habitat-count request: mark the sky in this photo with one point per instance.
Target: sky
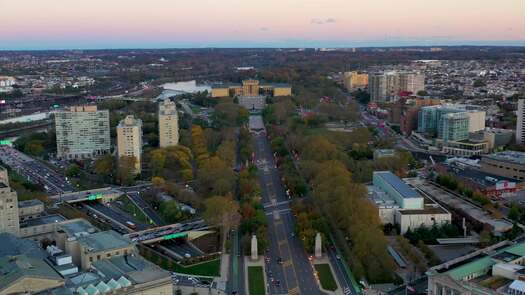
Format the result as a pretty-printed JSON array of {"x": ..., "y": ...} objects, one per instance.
[{"x": 92, "y": 24}]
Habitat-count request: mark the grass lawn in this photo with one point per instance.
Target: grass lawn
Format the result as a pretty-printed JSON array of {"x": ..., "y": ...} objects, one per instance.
[
  {"x": 325, "y": 277},
  {"x": 131, "y": 209},
  {"x": 210, "y": 268},
  {"x": 256, "y": 280}
]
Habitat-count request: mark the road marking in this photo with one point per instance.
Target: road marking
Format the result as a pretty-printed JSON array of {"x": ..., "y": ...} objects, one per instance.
[
  {"x": 293, "y": 291},
  {"x": 287, "y": 263}
]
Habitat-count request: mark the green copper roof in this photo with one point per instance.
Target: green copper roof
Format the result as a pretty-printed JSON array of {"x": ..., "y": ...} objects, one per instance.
[{"x": 480, "y": 265}]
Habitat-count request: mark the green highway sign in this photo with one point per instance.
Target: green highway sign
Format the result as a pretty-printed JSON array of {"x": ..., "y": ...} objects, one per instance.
[
  {"x": 95, "y": 197},
  {"x": 174, "y": 236}
]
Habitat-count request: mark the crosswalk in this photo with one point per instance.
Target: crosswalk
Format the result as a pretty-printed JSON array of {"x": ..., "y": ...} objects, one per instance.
[{"x": 347, "y": 291}]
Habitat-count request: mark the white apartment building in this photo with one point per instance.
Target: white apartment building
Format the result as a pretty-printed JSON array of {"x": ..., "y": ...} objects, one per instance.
[
  {"x": 82, "y": 132},
  {"x": 168, "y": 124},
  {"x": 520, "y": 128},
  {"x": 129, "y": 140}
]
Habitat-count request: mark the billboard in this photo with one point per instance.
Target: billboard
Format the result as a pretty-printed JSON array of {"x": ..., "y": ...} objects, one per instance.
[{"x": 505, "y": 184}]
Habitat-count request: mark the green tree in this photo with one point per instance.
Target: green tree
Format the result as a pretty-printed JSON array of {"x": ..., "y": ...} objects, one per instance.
[
  {"x": 215, "y": 176},
  {"x": 226, "y": 152},
  {"x": 73, "y": 170},
  {"x": 223, "y": 211},
  {"x": 126, "y": 170},
  {"x": 157, "y": 161},
  {"x": 171, "y": 212},
  {"x": 105, "y": 166}
]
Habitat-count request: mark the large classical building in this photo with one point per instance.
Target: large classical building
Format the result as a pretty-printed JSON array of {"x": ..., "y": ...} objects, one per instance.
[
  {"x": 168, "y": 124},
  {"x": 9, "y": 220},
  {"x": 82, "y": 132},
  {"x": 251, "y": 88},
  {"x": 129, "y": 140},
  {"x": 355, "y": 80},
  {"x": 111, "y": 265},
  {"x": 498, "y": 269},
  {"x": 387, "y": 86}
]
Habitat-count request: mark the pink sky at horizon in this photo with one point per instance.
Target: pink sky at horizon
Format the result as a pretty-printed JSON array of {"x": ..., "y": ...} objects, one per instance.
[{"x": 215, "y": 20}]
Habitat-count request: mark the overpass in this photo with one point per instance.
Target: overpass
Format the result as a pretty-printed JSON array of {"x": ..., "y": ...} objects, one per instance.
[
  {"x": 465, "y": 240},
  {"x": 106, "y": 194},
  {"x": 190, "y": 230}
]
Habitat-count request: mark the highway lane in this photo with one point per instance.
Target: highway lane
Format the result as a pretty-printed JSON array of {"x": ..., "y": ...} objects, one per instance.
[
  {"x": 114, "y": 214},
  {"x": 287, "y": 261},
  {"x": 135, "y": 197},
  {"x": 34, "y": 171}
]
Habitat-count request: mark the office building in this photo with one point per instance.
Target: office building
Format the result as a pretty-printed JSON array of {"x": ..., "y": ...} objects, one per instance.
[
  {"x": 410, "y": 112},
  {"x": 497, "y": 269},
  {"x": 82, "y": 132},
  {"x": 431, "y": 120},
  {"x": 251, "y": 88},
  {"x": 509, "y": 164},
  {"x": 355, "y": 80},
  {"x": 454, "y": 127},
  {"x": 129, "y": 140},
  {"x": 464, "y": 148},
  {"x": 168, "y": 124},
  {"x": 9, "y": 219},
  {"x": 476, "y": 120},
  {"x": 520, "y": 123},
  {"x": 398, "y": 203}
]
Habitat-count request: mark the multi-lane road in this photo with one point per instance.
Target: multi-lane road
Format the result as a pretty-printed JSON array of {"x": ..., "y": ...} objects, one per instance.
[
  {"x": 289, "y": 270},
  {"x": 135, "y": 197},
  {"x": 34, "y": 171}
]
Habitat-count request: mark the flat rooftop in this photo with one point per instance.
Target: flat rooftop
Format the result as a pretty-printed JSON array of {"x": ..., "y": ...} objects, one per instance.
[
  {"x": 399, "y": 185},
  {"x": 12, "y": 246},
  {"x": 137, "y": 269},
  {"x": 55, "y": 218},
  {"x": 479, "y": 177},
  {"x": 508, "y": 156},
  {"x": 380, "y": 198},
  {"x": 29, "y": 203},
  {"x": 77, "y": 227},
  {"x": 104, "y": 241}
]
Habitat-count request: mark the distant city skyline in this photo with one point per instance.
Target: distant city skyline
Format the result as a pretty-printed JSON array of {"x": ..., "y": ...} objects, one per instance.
[{"x": 98, "y": 24}]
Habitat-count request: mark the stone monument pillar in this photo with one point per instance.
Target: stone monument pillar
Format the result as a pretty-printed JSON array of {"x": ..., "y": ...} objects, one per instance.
[
  {"x": 255, "y": 255},
  {"x": 318, "y": 247}
]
